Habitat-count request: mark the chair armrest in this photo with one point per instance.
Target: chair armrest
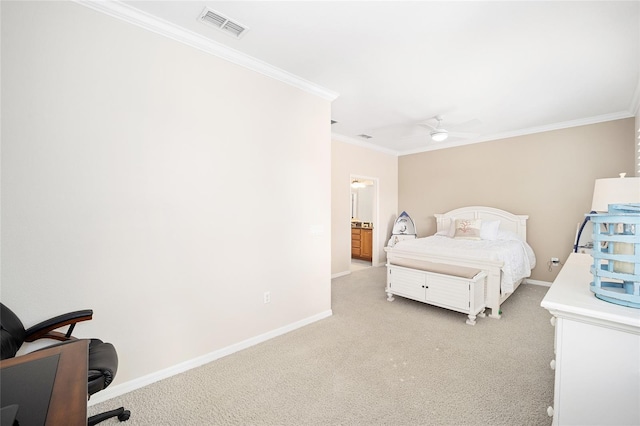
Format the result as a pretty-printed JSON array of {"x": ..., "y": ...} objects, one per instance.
[{"x": 44, "y": 329}]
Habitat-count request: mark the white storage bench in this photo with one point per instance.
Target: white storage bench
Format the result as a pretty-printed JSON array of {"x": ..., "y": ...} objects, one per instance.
[{"x": 450, "y": 287}]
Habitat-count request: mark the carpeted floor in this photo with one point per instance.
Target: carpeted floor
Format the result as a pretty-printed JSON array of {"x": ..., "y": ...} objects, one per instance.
[
  {"x": 373, "y": 362},
  {"x": 358, "y": 265}
]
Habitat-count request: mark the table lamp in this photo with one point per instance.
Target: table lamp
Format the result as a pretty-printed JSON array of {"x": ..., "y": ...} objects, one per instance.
[{"x": 621, "y": 190}]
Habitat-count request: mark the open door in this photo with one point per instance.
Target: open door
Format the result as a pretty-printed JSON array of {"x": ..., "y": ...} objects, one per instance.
[{"x": 364, "y": 220}]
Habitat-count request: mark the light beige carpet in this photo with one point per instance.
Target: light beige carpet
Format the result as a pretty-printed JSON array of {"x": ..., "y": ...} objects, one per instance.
[
  {"x": 373, "y": 362},
  {"x": 358, "y": 265}
]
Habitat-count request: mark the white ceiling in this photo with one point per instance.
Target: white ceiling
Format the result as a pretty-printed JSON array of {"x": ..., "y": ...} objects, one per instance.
[{"x": 492, "y": 69}]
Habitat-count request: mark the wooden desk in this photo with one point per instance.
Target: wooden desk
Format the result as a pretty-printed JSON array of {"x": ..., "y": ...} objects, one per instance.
[{"x": 68, "y": 401}]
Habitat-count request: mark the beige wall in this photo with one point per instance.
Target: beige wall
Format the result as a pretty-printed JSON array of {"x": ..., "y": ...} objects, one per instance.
[
  {"x": 549, "y": 176},
  {"x": 346, "y": 160},
  {"x": 157, "y": 185}
]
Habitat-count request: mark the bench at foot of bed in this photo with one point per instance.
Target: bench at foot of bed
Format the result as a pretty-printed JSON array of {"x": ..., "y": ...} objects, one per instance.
[{"x": 460, "y": 294}]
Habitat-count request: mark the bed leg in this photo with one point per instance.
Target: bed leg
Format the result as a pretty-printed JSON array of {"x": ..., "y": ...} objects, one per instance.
[
  {"x": 492, "y": 295},
  {"x": 390, "y": 297}
]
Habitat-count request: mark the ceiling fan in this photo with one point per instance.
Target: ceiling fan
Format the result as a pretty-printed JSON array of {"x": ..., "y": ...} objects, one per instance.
[{"x": 440, "y": 134}]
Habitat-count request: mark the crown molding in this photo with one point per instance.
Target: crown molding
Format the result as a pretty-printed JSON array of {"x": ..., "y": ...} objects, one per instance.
[
  {"x": 368, "y": 145},
  {"x": 124, "y": 12},
  {"x": 524, "y": 132},
  {"x": 635, "y": 101}
]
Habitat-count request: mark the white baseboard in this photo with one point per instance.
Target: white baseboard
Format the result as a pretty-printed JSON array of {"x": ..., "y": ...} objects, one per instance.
[
  {"x": 536, "y": 282},
  {"x": 120, "y": 389},
  {"x": 340, "y": 274}
]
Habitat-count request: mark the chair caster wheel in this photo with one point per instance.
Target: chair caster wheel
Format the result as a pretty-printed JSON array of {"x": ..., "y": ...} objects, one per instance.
[{"x": 124, "y": 416}]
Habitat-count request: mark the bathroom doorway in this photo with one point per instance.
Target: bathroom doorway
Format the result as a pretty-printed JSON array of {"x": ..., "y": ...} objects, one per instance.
[{"x": 364, "y": 202}]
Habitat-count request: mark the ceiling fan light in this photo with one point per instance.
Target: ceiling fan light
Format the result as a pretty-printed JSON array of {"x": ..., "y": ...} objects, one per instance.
[{"x": 439, "y": 135}]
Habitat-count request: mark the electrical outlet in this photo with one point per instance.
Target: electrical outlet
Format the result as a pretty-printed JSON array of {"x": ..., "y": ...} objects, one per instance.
[{"x": 267, "y": 296}]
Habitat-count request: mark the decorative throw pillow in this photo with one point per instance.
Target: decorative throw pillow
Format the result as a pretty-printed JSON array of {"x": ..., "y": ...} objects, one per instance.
[
  {"x": 452, "y": 228},
  {"x": 489, "y": 229},
  {"x": 468, "y": 229},
  {"x": 447, "y": 228}
]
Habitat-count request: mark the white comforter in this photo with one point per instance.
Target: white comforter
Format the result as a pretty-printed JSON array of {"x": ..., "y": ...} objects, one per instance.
[{"x": 517, "y": 255}]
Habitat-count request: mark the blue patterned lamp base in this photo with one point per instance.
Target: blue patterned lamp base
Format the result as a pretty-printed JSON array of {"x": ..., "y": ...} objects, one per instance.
[
  {"x": 616, "y": 255},
  {"x": 618, "y": 293}
]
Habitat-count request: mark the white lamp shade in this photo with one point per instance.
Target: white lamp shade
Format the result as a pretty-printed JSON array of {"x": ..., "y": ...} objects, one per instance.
[{"x": 620, "y": 190}]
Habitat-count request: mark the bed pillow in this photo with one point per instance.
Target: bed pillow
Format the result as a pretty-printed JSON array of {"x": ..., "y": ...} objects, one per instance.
[
  {"x": 443, "y": 229},
  {"x": 468, "y": 229},
  {"x": 447, "y": 228},
  {"x": 489, "y": 229},
  {"x": 452, "y": 228}
]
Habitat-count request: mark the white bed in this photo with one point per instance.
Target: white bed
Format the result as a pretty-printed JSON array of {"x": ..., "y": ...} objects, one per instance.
[{"x": 502, "y": 254}]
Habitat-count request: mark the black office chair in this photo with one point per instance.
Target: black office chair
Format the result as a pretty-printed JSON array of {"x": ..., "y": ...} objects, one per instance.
[{"x": 103, "y": 359}]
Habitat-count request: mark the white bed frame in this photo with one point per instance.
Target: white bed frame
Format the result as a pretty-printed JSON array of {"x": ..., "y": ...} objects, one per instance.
[{"x": 508, "y": 221}]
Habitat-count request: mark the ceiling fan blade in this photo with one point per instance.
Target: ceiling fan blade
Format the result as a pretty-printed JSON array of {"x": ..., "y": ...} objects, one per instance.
[
  {"x": 440, "y": 123},
  {"x": 399, "y": 131},
  {"x": 463, "y": 135},
  {"x": 428, "y": 125},
  {"x": 465, "y": 125}
]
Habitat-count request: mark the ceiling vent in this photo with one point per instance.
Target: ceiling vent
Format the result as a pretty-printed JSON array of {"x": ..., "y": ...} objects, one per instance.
[{"x": 221, "y": 22}]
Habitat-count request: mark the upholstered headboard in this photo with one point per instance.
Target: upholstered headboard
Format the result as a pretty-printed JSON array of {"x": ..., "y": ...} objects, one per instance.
[{"x": 508, "y": 221}]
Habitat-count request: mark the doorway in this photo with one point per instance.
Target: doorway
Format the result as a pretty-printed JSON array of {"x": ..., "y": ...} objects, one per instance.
[{"x": 364, "y": 202}]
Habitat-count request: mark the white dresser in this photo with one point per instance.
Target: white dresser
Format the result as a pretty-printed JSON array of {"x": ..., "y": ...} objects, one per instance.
[{"x": 597, "y": 352}]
